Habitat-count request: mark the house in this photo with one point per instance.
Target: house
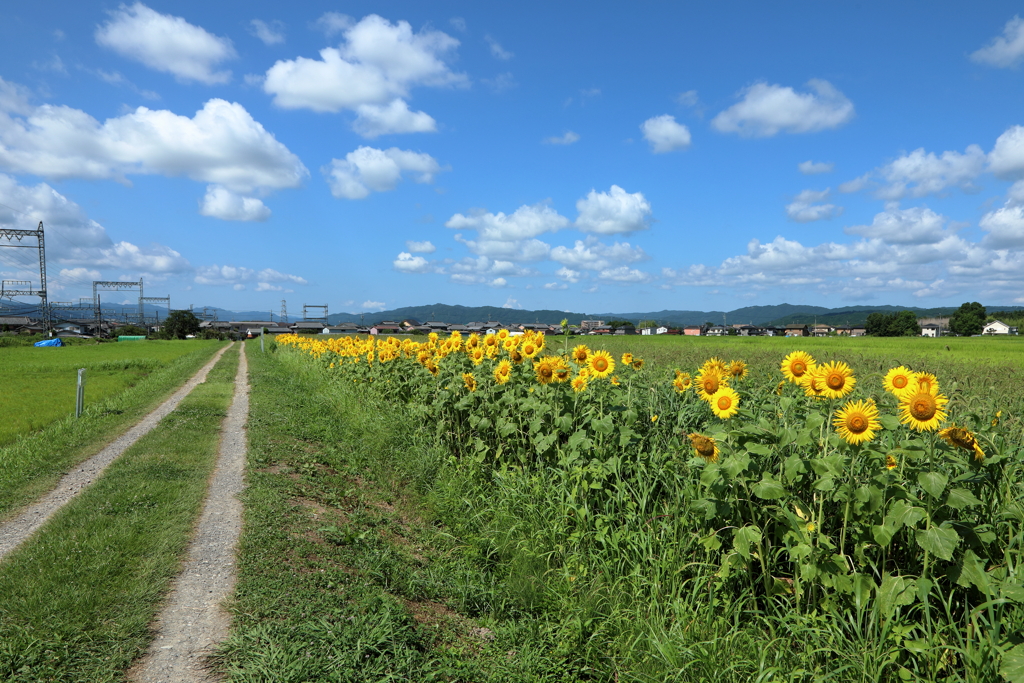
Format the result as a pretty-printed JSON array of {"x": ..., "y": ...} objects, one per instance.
[
  {"x": 13, "y": 323},
  {"x": 654, "y": 330},
  {"x": 693, "y": 330},
  {"x": 931, "y": 330},
  {"x": 796, "y": 330},
  {"x": 820, "y": 331},
  {"x": 995, "y": 327},
  {"x": 588, "y": 325},
  {"x": 716, "y": 331},
  {"x": 410, "y": 323},
  {"x": 436, "y": 326},
  {"x": 307, "y": 327},
  {"x": 748, "y": 330}
]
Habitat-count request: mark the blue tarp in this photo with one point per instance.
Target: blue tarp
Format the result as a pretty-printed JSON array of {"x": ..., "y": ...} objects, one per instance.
[{"x": 49, "y": 342}]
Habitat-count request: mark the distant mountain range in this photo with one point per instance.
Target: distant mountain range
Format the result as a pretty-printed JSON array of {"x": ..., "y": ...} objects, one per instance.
[{"x": 781, "y": 314}]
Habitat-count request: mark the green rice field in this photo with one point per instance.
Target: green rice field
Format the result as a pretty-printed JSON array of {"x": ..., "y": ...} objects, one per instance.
[{"x": 38, "y": 384}]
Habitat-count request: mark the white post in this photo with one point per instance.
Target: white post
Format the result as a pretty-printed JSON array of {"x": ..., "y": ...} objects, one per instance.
[
  {"x": 262, "y": 331},
  {"x": 80, "y": 393}
]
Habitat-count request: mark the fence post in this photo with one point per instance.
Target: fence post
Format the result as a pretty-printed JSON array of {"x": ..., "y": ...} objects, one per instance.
[
  {"x": 262, "y": 350},
  {"x": 80, "y": 393}
]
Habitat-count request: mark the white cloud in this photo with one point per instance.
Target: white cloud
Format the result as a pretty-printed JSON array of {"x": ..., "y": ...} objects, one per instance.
[
  {"x": 374, "y": 120},
  {"x": 371, "y": 73},
  {"x": 664, "y": 134},
  {"x": 234, "y": 275},
  {"x": 594, "y": 255},
  {"x": 614, "y": 212},
  {"x": 270, "y": 33},
  {"x": 918, "y": 174},
  {"x": 805, "y": 208},
  {"x": 1006, "y": 159},
  {"x": 80, "y": 274},
  {"x": 374, "y": 304},
  {"x": 524, "y": 223},
  {"x": 497, "y": 51},
  {"x": 567, "y": 139},
  {"x": 224, "y": 204},
  {"x": 481, "y": 268},
  {"x": 767, "y": 110},
  {"x": 555, "y": 285},
  {"x": 1005, "y": 228},
  {"x": 1006, "y": 50},
  {"x": 166, "y": 43},
  {"x": 1015, "y": 195},
  {"x": 855, "y": 185},
  {"x": 569, "y": 275},
  {"x": 368, "y": 169},
  {"x": 688, "y": 98},
  {"x": 407, "y": 263},
  {"x": 916, "y": 225},
  {"x": 511, "y": 303},
  {"x": 498, "y": 283},
  {"x": 624, "y": 274},
  {"x": 458, "y": 23},
  {"x": 814, "y": 167},
  {"x": 222, "y": 144},
  {"x": 420, "y": 247},
  {"x": 333, "y": 22}
]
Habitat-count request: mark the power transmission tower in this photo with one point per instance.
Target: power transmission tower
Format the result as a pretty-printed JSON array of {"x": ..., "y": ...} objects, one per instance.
[
  {"x": 166, "y": 300},
  {"x": 112, "y": 285},
  {"x": 284, "y": 312},
  {"x": 13, "y": 288},
  {"x": 317, "y": 319}
]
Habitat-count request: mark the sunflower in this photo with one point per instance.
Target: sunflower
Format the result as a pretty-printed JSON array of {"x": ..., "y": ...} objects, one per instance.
[
  {"x": 705, "y": 446},
  {"x": 725, "y": 403},
  {"x": 638, "y": 363},
  {"x": 477, "y": 355},
  {"x": 813, "y": 384},
  {"x": 601, "y": 364},
  {"x": 778, "y": 389},
  {"x": 926, "y": 381},
  {"x": 614, "y": 380},
  {"x": 502, "y": 335},
  {"x": 898, "y": 380},
  {"x": 516, "y": 355},
  {"x": 579, "y": 384},
  {"x": 509, "y": 344},
  {"x": 715, "y": 363},
  {"x": 962, "y": 437},
  {"x": 922, "y": 410},
  {"x": 469, "y": 380},
  {"x": 530, "y": 348},
  {"x": 857, "y": 421},
  {"x": 503, "y": 372},
  {"x": 580, "y": 353},
  {"x": 890, "y": 462},
  {"x": 708, "y": 383},
  {"x": 995, "y": 420},
  {"x": 473, "y": 341},
  {"x": 682, "y": 381},
  {"x": 422, "y": 357},
  {"x": 796, "y": 365},
  {"x": 737, "y": 369},
  {"x": 837, "y": 378},
  {"x": 432, "y": 367},
  {"x": 545, "y": 370},
  {"x": 627, "y": 358}
]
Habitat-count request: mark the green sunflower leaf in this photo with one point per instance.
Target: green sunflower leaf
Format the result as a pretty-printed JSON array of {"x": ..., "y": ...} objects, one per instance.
[{"x": 938, "y": 541}]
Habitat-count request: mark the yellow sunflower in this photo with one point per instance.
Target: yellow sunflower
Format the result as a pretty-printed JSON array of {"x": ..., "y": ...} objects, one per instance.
[
  {"x": 580, "y": 353},
  {"x": 715, "y": 363},
  {"x": 432, "y": 367},
  {"x": 473, "y": 341},
  {"x": 503, "y": 372},
  {"x": 530, "y": 348},
  {"x": 890, "y": 462},
  {"x": 601, "y": 364},
  {"x": 562, "y": 371},
  {"x": 545, "y": 370},
  {"x": 837, "y": 378},
  {"x": 922, "y": 410},
  {"x": 422, "y": 357},
  {"x": 477, "y": 355},
  {"x": 517, "y": 356},
  {"x": 638, "y": 363},
  {"x": 898, "y": 380},
  {"x": 737, "y": 369},
  {"x": 926, "y": 381},
  {"x": 964, "y": 438},
  {"x": 708, "y": 383},
  {"x": 682, "y": 381},
  {"x": 704, "y": 446},
  {"x": 614, "y": 380},
  {"x": 857, "y": 421},
  {"x": 813, "y": 384},
  {"x": 502, "y": 335},
  {"x": 627, "y": 358},
  {"x": 579, "y": 384},
  {"x": 796, "y": 365},
  {"x": 469, "y": 380},
  {"x": 725, "y": 403}
]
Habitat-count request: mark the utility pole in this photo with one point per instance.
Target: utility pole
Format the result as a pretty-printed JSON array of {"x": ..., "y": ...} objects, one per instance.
[{"x": 13, "y": 288}]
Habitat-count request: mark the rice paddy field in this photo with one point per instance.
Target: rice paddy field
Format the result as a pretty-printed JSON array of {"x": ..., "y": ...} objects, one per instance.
[
  {"x": 673, "y": 509},
  {"x": 38, "y": 384}
]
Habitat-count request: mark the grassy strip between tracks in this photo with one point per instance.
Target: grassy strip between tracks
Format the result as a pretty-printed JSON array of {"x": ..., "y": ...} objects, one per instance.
[
  {"x": 77, "y": 600},
  {"x": 344, "y": 573},
  {"x": 32, "y": 465}
]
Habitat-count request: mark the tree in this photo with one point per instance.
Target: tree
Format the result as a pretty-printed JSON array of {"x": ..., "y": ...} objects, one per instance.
[
  {"x": 179, "y": 324},
  {"x": 130, "y": 330},
  {"x": 648, "y": 323},
  {"x": 902, "y": 324},
  {"x": 967, "y": 320}
]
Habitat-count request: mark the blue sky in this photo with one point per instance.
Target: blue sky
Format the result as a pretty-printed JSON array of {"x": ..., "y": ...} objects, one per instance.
[{"x": 556, "y": 155}]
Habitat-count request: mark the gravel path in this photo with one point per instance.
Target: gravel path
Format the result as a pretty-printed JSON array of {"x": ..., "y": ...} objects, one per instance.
[
  {"x": 194, "y": 620},
  {"x": 14, "y": 532}
]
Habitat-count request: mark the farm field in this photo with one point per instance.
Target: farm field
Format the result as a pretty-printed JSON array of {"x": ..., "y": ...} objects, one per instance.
[
  {"x": 649, "y": 533},
  {"x": 39, "y": 383}
]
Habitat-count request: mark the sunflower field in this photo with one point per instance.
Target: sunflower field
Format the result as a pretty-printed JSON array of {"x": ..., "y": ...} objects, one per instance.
[{"x": 878, "y": 514}]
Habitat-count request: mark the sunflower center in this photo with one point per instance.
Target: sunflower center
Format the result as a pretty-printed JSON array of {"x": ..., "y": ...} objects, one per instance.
[
  {"x": 923, "y": 407},
  {"x": 925, "y": 384},
  {"x": 900, "y": 382},
  {"x": 835, "y": 381},
  {"x": 600, "y": 364},
  {"x": 711, "y": 385},
  {"x": 545, "y": 371},
  {"x": 704, "y": 446},
  {"x": 724, "y": 402},
  {"x": 857, "y": 424},
  {"x": 798, "y": 368}
]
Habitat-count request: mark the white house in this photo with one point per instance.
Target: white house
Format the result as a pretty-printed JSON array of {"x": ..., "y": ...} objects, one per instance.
[
  {"x": 930, "y": 330},
  {"x": 654, "y": 330},
  {"x": 996, "y": 327}
]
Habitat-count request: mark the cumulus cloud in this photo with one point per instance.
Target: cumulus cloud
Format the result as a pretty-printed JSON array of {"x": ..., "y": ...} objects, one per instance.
[
  {"x": 1006, "y": 160},
  {"x": 371, "y": 73},
  {"x": 224, "y": 204},
  {"x": 420, "y": 247},
  {"x": 567, "y": 139},
  {"x": 593, "y": 255},
  {"x": 267, "y": 279},
  {"x": 916, "y": 225},
  {"x": 614, "y": 212},
  {"x": 407, "y": 263},
  {"x": 624, "y": 274},
  {"x": 512, "y": 236},
  {"x": 664, "y": 134},
  {"x": 555, "y": 285},
  {"x": 166, "y": 43},
  {"x": 497, "y": 51},
  {"x": 222, "y": 144},
  {"x": 1005, "y": 228},
  {"x": 1006, "y": 50},
  {"x": 374, "y": 305},
  {"x": 271, "y": 33},
  {"x": 808, "y": 207},
  {"x": 568, "y": 274},
  {"x": 767, "y": 110},
  {"x": 919, "y": 173},
  {"x": 377, "y": 170},
  {"x": 815, "y": 167}
]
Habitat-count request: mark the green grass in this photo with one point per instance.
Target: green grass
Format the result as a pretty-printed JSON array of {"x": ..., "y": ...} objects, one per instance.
[
  {"x": 77, "y": 600},
  {"x": 33, "y": 464},
  {"x": 39, "y": 383}
]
